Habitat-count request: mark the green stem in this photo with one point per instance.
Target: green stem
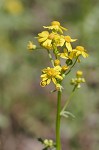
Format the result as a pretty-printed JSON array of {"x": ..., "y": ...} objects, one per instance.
[
  {"x": 68, "y": 100},
  {"x": 58, "y": 141},
  {"x": 72, "y": 66},
  {"x": 50, "y": 57}
]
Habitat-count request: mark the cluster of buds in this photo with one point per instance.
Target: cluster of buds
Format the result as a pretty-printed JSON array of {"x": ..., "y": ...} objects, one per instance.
[
  {"x": 49, "y": 143},
  {"x": 78, "y": 80}
]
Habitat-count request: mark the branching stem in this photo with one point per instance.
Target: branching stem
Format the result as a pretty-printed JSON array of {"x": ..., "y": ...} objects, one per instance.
[{"x": 68, "y": 100}]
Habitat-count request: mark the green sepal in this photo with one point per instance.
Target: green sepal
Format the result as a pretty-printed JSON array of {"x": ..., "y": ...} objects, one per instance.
[{"x": 56, "y": 51}]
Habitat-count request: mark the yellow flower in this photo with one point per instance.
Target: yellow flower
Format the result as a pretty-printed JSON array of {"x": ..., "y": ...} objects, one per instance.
[
  {"x": 31, "y": 46},
  {"x": 51, "y": 74},
  {"x": 68, "y": 42},
  {"x": 44, "y": 39},
  {"x": 43, "y": 36},
  {"x": 55, "y": 26},
  {"x": 67, "y": 55},
  {"x": 50, "y": 40},
  {"x": 80, "y": 50},
  {"x": 59, "y": 40},
  {"x": 14, "y": 6}
]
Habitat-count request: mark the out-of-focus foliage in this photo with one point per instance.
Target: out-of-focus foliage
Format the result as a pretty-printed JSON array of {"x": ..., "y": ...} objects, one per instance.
[{"x": 24, "y": 104}]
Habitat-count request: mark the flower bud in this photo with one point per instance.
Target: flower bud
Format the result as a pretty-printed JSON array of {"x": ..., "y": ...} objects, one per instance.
[
  {"x": 83, "y": 80},
  {"x": 72, "y": 81},
  {"x": 50, "y": 143},
  {"x": 43, "y": 83},
  {"x": 69, "y": 62},
  {"x": 56, "y": 62},
  {"x": 64, "y": 68},
  {"x": 55, "y": 23},
  {"x": 46, "y": 142},
  {"x": 78, "y": 86},
  {"x": 79, "y": 73},
  {"x": 31, "y": 46}
]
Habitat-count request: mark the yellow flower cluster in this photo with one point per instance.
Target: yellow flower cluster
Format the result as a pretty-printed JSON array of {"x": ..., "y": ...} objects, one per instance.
[
  {"x": 59, "y": 46},
  {"x": 78, "y": 80},
  {"x": 55, "y": 39}
]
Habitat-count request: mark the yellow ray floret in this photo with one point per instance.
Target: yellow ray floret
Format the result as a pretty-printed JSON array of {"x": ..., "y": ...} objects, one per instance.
[{"x": 68, "y": 40}]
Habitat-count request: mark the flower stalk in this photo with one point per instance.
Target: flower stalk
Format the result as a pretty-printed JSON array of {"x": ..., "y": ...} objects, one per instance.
[
  {"x": 50, "y": 57},
  {"x": 68, "y": 101},
  {"x": 58, "y": 119},
  {"x": 60, "y": 51}
]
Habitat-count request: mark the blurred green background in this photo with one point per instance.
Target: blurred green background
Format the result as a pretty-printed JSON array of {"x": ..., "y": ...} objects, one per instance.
[{"x": 27, "y": 111}]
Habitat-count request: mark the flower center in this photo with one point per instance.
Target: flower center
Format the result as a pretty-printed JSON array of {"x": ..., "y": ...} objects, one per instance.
[
  {"x": 55, "y": 23},
  {"x": 51, "y": 72},
  {"x": 51, "y": 36}
]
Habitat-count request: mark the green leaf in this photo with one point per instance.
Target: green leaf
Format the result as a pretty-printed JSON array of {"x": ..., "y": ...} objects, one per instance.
[{"x": 67, "y": 114}]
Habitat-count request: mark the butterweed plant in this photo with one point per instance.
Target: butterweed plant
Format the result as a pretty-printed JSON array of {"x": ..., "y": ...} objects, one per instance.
[{"x": 63, "y": 58}]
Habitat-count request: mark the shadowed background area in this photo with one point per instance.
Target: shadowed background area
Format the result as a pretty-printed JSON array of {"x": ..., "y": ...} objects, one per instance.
[{"x": 27, "y": 111}]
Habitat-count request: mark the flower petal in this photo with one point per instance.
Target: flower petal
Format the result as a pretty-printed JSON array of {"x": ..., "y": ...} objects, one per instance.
[
  {"x": 48, "y": 81},
  {"x": 69, "y": 47},
  {"x": 54, "y": 80}
]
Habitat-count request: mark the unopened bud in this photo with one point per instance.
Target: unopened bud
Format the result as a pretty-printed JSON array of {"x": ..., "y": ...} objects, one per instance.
[
  {"x": 79, "y": 73},
  {"x": 64, "y": 68},
  {"x": 57, "y": 62}
]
